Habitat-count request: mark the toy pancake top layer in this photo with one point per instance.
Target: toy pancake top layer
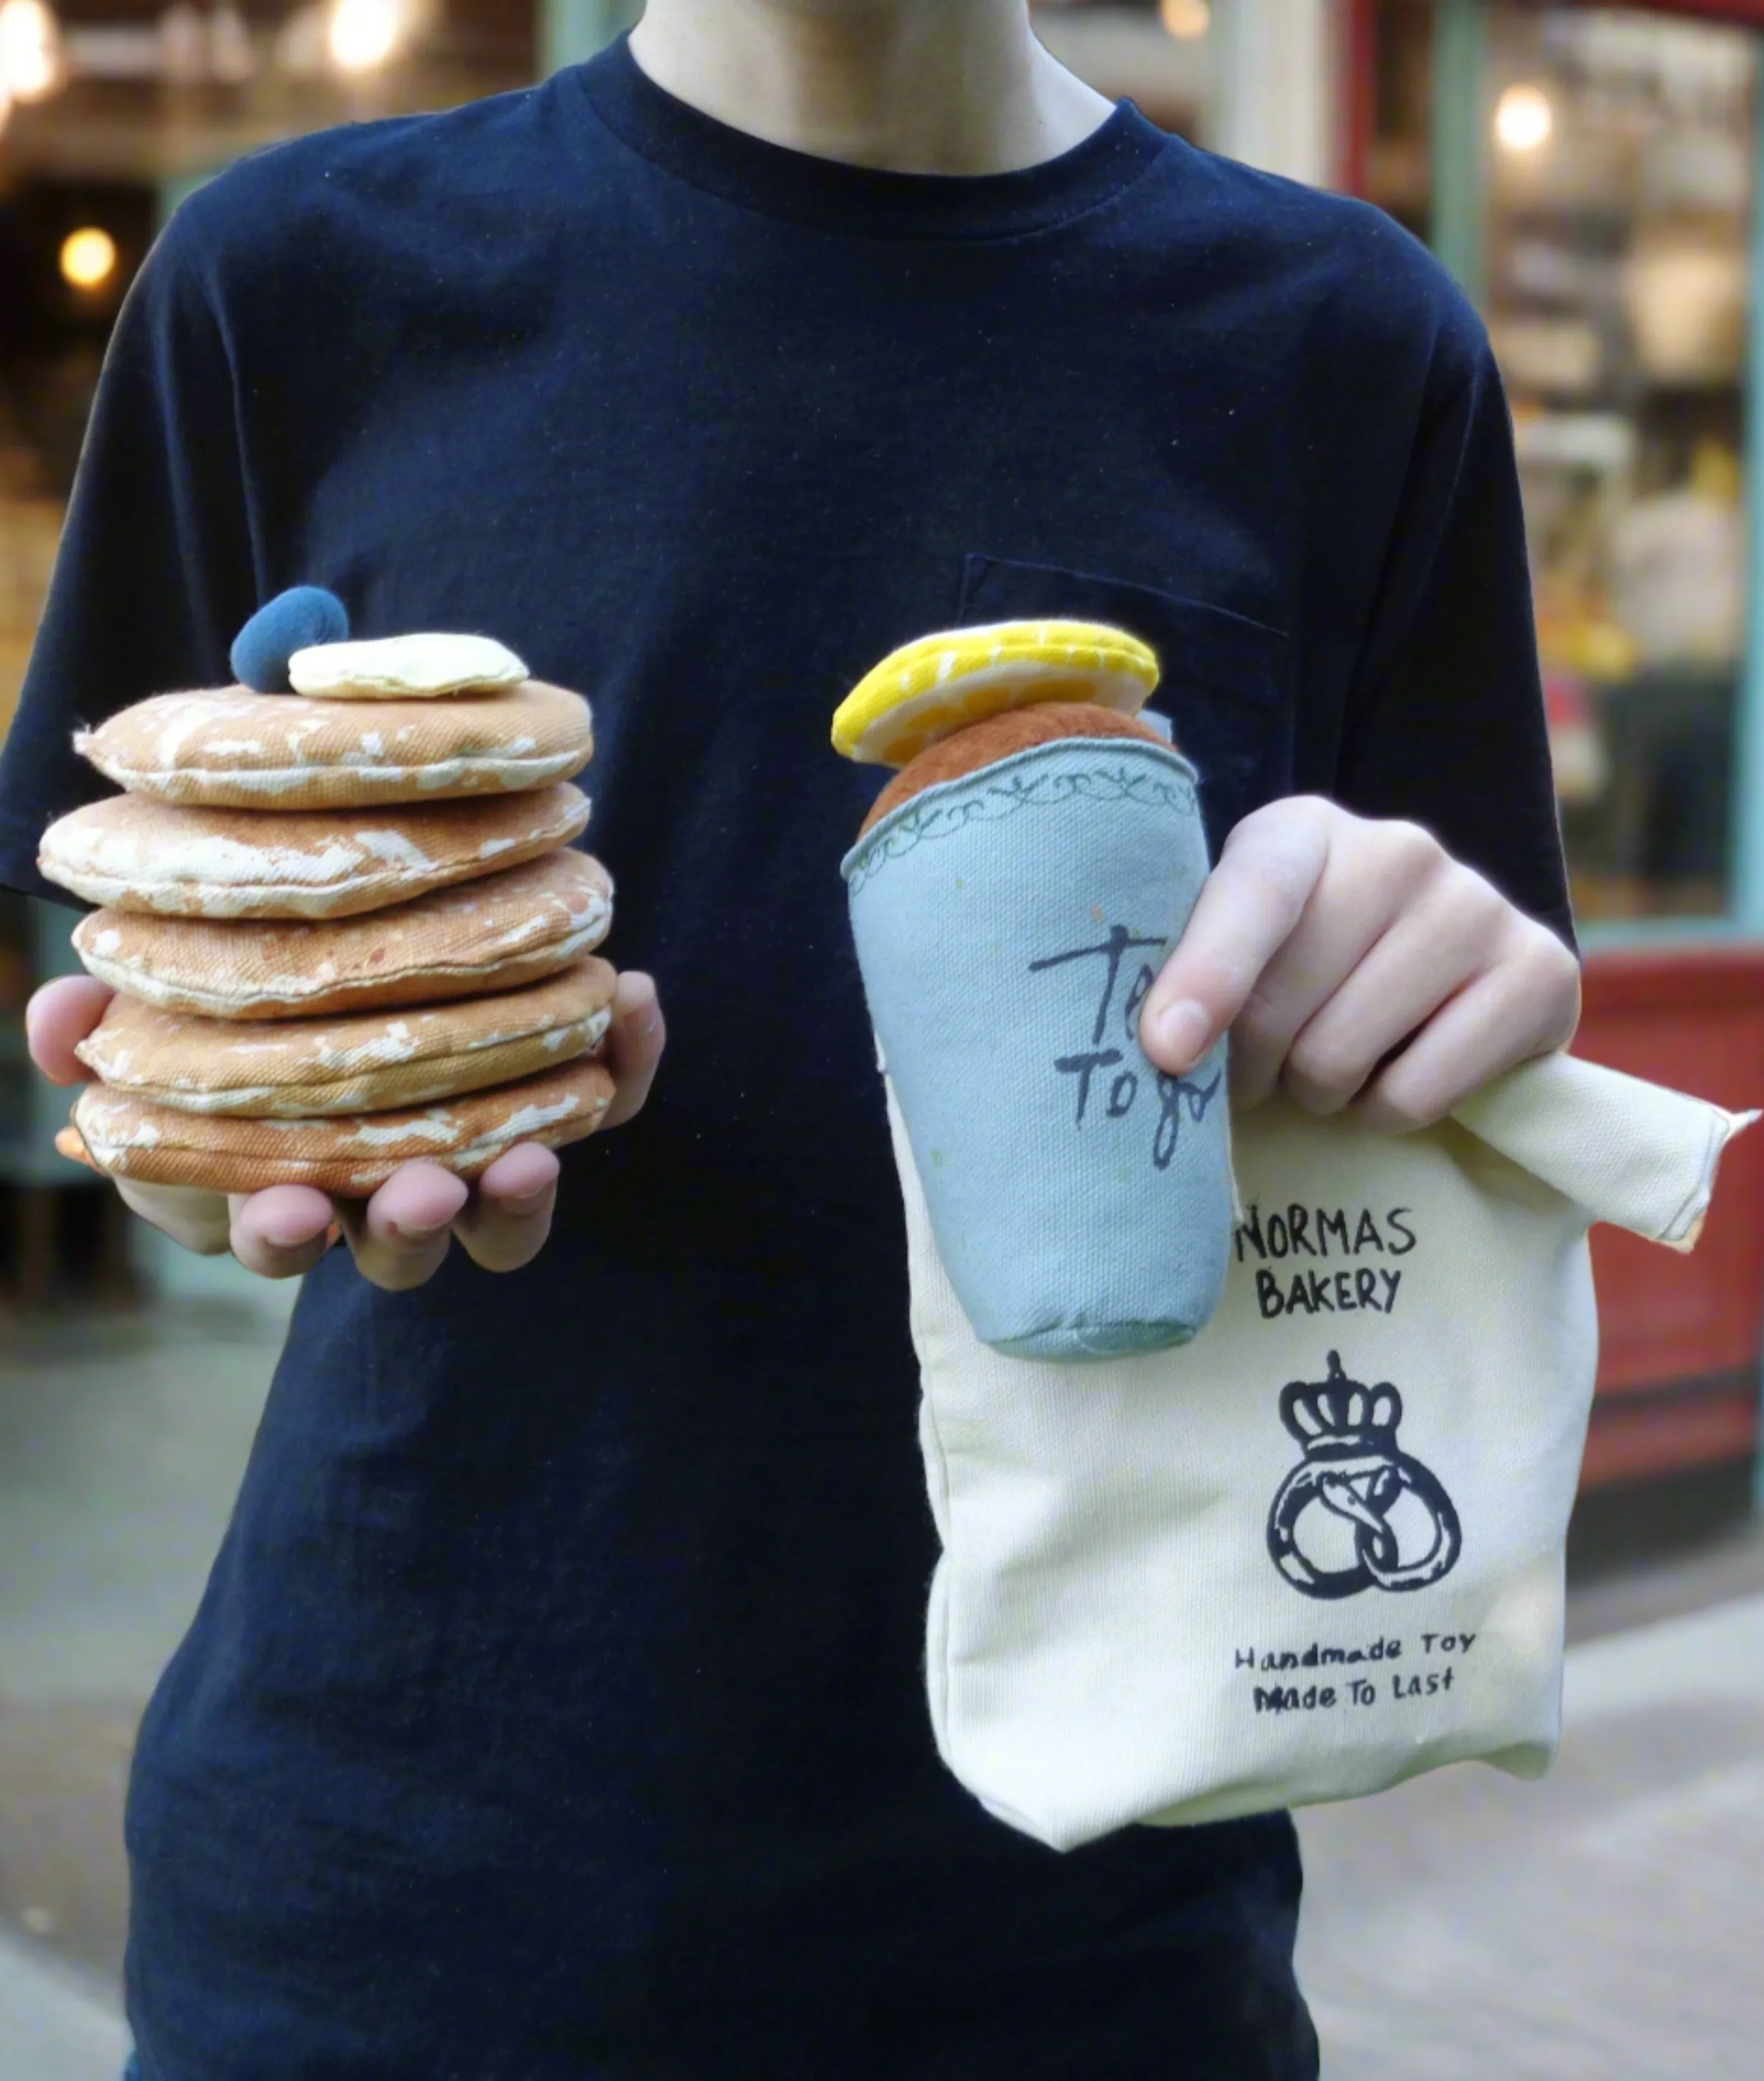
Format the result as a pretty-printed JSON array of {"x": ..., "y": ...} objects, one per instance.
[
  {"x": 234, "y": 749},
  {"x": 930, "y": 689},
  {"x": 403, "y": 668}
]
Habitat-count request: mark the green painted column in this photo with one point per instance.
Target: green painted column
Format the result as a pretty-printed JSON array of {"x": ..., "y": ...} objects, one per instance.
[
  {"x": 571, "y": 31},
  {"x": 172, "y": 188},
  {"x": 1460, "y": 153}
]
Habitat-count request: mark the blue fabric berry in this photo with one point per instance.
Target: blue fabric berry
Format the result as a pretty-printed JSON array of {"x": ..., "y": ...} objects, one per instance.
[{"x": 303, "y": 615}]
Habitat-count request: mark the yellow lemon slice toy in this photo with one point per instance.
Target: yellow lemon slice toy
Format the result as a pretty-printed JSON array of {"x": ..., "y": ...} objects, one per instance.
[{"x": 930, "y": 689}]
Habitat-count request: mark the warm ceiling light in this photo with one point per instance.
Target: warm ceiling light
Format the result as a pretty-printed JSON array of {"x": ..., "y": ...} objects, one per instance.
[
  {"x": 1523, "y": 118},
  {"x": 88, "y": 257},
  {"x": 1186, "y": 18},
  {"x": 364, "y": 33},
  {"x": 30, "y": 49}
]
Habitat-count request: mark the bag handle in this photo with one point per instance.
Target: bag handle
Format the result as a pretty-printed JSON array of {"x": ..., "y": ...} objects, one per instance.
[{"x": 1626, "y": 1151}]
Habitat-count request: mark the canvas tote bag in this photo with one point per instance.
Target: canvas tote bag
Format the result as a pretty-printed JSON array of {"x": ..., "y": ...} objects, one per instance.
[{"x": 1319, "y": 1549}]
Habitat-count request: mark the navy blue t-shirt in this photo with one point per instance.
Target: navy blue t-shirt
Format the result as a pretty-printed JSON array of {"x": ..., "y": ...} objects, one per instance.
[{"x": 555, "y": 1710}]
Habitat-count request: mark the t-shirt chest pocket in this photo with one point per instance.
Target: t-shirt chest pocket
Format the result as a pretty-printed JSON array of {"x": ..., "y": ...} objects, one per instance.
[{"x": 1226, "y": 683}]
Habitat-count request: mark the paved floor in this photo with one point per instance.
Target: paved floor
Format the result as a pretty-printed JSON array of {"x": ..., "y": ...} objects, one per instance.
[
  {"x": 53, "y": 2027},
  {"x": 122, "y": 1440},
  {"x": 1606, "y": 1923}
]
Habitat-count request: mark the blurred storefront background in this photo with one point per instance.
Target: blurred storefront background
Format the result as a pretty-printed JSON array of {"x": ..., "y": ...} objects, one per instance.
[{"x": 1589, "y": 173}]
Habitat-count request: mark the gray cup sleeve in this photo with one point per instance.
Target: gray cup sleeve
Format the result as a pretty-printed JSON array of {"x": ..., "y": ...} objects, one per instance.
[{"x": 1009, "y": 925}]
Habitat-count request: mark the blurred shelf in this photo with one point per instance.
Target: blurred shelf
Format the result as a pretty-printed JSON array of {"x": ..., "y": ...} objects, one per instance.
[
  {"x": 147, "y": 132},
  {"x": 1603, "y": 441}
]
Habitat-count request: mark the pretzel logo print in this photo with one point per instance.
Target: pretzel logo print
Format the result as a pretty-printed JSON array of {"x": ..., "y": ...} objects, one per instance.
[{"x": 1354, "y": 1474}]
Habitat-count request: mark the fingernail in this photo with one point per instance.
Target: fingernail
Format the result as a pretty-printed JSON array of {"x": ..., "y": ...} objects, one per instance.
[
  {"x": 528, "y": 1203},
  {"x": 641, "y": 1021},
  {"x": 409, "y": 1231},
  {"x": 1184, "y": 1032},
  {"x": 288, "y": 1239}
]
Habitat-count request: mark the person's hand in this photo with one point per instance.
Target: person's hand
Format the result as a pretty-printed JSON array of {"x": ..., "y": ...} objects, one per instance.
[
  {"x": 1357, "y": 964},
  {"x": 400, "y": 1236}
]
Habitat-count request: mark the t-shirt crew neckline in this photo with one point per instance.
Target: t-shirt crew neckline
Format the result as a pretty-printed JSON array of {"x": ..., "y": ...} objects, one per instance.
[{"x": 862, "y": 201}]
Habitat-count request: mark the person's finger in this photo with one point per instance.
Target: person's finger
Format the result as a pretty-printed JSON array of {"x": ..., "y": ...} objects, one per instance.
[
  {"x": 1437, "y": 947},
  {"x": 1251, "y": 904},
  {"x": 281, "y": 1233},
  {"x": 1372, "y": 875},
  {"x": 507, "y": 1220},
  {"x": 197, "y": 1220},
  {"x": 1525, "y": 1004},
  {"x": 399, "y": 1237},
  {"x": 58, "y": 1018},
  {"x": 634, "y": 1046}
]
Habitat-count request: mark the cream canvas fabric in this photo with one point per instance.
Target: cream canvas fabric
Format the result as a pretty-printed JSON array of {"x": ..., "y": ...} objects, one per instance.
[{"x": 1319, "y": 1549}]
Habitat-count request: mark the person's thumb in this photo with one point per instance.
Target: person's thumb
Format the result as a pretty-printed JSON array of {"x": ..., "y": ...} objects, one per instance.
[
  {"x": 57, "y": 1019},
  {"x": 634, "y": 1048}
]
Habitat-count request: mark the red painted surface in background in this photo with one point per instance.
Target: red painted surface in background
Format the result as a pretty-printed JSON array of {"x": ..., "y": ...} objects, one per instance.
[
  {"x": 1358, "y": 49},
  {"x": 1750, "y": 12},
  {"x": 1681, "y": 1336}
]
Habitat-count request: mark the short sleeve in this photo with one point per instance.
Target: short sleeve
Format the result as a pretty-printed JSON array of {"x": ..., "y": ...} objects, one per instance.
[
  {"x": 154, "y": 572},
  {"x": 1445, "y": 723}
]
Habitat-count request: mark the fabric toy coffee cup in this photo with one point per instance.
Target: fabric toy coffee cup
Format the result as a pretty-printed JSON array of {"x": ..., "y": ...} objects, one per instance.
[
  {"x": 372, "y": 834},
  {"x": 1013, "y": 895}
]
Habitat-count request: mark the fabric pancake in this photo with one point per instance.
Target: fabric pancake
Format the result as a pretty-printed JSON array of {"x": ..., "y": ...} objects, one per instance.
[
  {"x": 494, "y": 933},
  {"x": 137, "y": 854},
  {"x": 234, "y": 749},
  {"x": 130, "y": 1137},
  {"x": 372, "y": 1061},
  {"x": 998, "y": 737}
]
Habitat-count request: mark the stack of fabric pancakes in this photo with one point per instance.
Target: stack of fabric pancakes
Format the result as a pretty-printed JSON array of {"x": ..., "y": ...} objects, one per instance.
[{"x": 347, "y": 924}]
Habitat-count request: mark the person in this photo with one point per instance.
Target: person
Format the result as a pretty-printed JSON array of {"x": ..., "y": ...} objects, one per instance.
[{"x": 554, "y": 1709}]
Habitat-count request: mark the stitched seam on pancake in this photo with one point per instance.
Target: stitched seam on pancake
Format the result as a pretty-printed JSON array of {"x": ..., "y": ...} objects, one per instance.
[{"x": 271, "y": 779}]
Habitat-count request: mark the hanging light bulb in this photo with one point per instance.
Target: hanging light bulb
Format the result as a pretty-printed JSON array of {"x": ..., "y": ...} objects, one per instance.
[
  {"x": 1523, "y": 118},
  {"x": 88, "y": 257},
  {"x": 31, "y": 63},
  {"x": 364, "y": 33},
  {"x": 232, "y": 54},
  {"x": 1185, "y": 19}
]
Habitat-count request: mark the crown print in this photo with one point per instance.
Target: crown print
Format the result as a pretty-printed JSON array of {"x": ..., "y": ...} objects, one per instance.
[
  {"x": 1339, "y": 1415},
  {"x": 1354, "y": 1472}
]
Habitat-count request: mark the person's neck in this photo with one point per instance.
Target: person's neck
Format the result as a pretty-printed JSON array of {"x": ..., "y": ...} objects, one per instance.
[{"x": 914, "y": 87}]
